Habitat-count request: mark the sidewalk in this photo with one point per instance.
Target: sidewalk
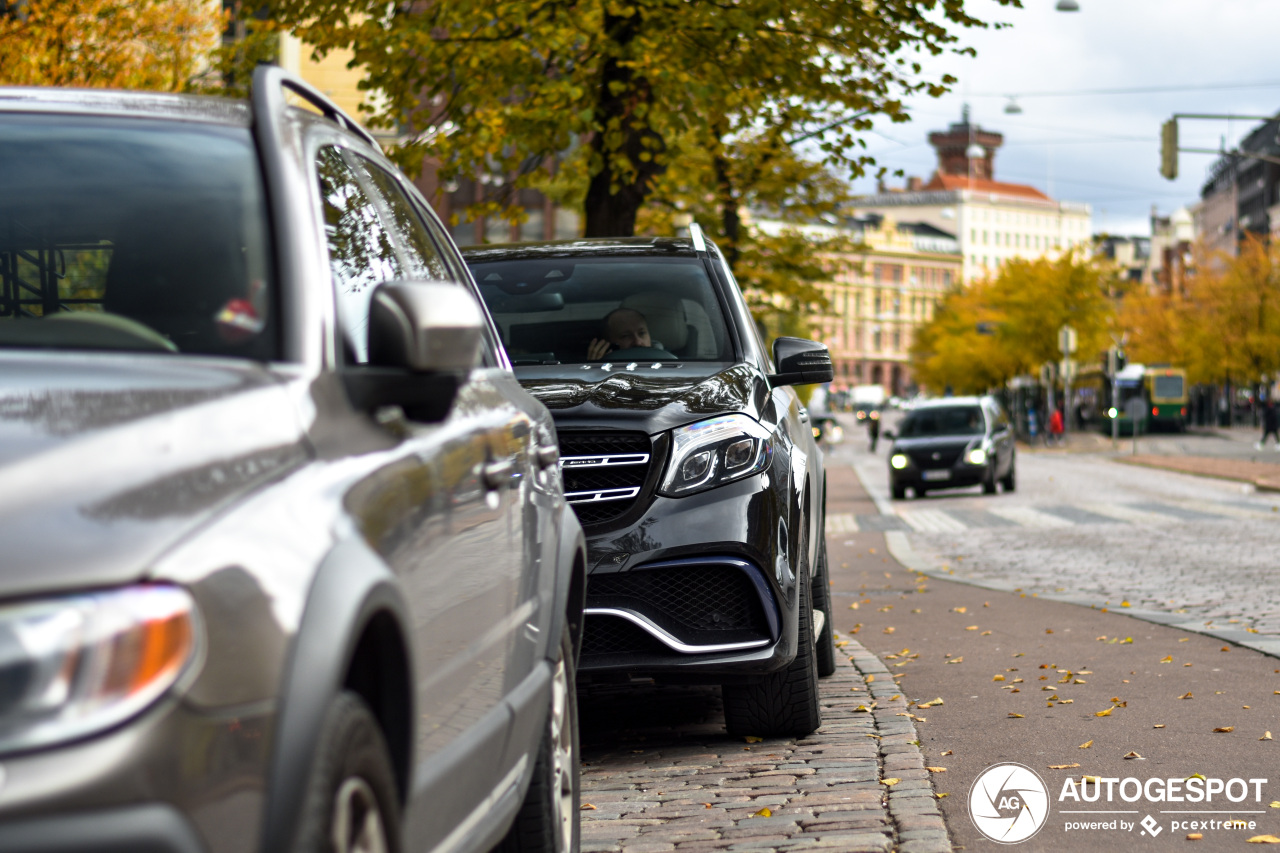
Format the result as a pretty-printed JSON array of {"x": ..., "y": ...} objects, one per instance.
[
  {"x": 1066, "y": 690},
  {"x": 1265, "y": 477}
]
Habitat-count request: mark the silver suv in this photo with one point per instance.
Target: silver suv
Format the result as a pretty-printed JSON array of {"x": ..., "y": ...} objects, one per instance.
[{"x": 287, "y": 564}]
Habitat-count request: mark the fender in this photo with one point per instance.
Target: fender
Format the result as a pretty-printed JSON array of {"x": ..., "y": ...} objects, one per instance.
[
  {"x": 571, "y": 584},
  {"x": 350, "y": 587}
]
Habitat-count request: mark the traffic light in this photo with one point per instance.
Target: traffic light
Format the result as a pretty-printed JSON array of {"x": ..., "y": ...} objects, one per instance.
[{"x": 1169, "y": 149}]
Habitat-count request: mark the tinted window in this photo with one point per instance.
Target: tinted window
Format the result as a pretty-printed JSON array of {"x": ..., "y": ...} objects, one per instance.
[
  {"x": 570, "y": 310},
  {"x": 943, "y": 420},
  {"x": 135, "y": 235},
  {"x": 361, "y": 251}
]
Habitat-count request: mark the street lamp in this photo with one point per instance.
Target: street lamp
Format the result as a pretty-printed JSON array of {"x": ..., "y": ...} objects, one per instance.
[
  {"x": 1068, "y": 6},
  {"x": 1012, "y": 107}
]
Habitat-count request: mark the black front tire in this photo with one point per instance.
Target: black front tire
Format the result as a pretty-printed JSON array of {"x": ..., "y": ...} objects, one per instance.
[
  {"x": 548, "y": 820},
  {"x": 351, "y": 801},
  {"x": 783, "y": 703},
  {"x": 899, "y": 492},
  {"x": 826, "y": 645},
  {"x": 1010, "y": 481},
  {"x": 989, "y": 482}
]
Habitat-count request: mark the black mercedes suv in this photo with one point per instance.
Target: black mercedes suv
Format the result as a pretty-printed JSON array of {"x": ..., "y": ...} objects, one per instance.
[{"x": 690, "y": 461}]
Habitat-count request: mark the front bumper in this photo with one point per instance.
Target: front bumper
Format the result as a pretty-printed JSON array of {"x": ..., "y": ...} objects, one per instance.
[
  {"x": 699, "y": 589},
  {"x": 957, "y": 476}
]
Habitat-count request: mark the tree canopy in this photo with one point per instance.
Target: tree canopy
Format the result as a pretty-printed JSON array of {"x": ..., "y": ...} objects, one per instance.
[
  {"x": 608, "y": 95},
  {"x": 127, "y": 44},
  {"x": 988, "y": 332}
]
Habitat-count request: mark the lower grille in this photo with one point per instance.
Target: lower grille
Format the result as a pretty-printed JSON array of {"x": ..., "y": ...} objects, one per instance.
[
  {"x": 947, "y": 457},
  {"x": 611, "y": 635},
  {"x": 604, "y": 472},
  {"x": 698, "y": 603}
]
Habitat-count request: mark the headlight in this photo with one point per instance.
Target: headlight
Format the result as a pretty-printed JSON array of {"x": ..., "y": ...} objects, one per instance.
[
  {"x": 73, "y": 666},
  {"x": 1111, "y": 412},
  {"x": 977, "y": 456},
  {"x": 714, "y": 452},
  {"x": 898, "y": 460}
]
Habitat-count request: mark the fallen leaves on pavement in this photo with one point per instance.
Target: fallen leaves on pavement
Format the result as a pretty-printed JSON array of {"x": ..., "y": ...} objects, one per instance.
[
  {"x": 1085, "y": 745},
  {"x": 1063, "y": 766},
  {"x": 587, "y": 807},
  {"x": 1132, "y": 755},
  {"x": 1186, "y": 695},
  {"x": 764, "y": 812},
  {"x": 1225, "y": 729},
  {"x": 890, "y": 782},
  {"x": 1263, "y": 839},
  {"x": 1016, "y": 716}
]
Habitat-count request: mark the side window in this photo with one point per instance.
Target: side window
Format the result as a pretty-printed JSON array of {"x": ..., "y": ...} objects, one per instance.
[
  {"x": 361, "y": 251},
  {"x": 420, "y": 253}
]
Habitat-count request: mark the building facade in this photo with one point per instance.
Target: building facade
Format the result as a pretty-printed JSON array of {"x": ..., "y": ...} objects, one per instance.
[{"x": 994, "y": 221}]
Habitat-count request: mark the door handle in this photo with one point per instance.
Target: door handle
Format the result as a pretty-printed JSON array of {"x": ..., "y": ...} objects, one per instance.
[
  {"x": 548, "y": 455},
  {"x": 804, "y": 416},
  {"x": 498, "y": 473}
]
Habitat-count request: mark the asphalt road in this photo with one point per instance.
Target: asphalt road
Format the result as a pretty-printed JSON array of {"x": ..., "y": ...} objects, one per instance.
[{"x": 1082, "y": 526}]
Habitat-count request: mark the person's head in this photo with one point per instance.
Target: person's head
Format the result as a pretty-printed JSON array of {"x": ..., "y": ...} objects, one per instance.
[{"x": 626, "y": 328}]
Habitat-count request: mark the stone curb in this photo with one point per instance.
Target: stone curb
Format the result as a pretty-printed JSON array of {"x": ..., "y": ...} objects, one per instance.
[{"x": 701, "y": 790}]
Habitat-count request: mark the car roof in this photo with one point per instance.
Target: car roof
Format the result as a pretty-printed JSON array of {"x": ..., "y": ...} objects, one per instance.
[
  {"x": 161, "y": 105},
  {"x": 595, "y": 247}
]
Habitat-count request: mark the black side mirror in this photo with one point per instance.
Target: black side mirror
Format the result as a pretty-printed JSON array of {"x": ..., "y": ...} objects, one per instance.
[
  {"x": 801, "y": 362},
  {"x": 424, "y": 338}
]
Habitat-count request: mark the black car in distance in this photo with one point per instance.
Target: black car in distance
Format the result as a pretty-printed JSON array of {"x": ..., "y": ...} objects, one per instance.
[
  {"x": 950, "y": 443},
  {"x": 690, "y": 461}
]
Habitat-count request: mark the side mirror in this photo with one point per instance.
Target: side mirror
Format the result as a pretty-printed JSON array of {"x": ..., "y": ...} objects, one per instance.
[
  {"x": 888, "y": 434},
  {"x": 424, "y": 338},
  {"x": 801, "y": 362}
]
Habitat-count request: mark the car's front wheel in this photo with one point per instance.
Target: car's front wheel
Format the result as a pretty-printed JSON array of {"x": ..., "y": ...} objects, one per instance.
[
  {"x": 783, "y": 703},
  {"x": 989, "y": 482},
  {"x": 1010, "y": 481},
  {"x": 548, "y": 819},
  {"x": 351, "y": 804}
]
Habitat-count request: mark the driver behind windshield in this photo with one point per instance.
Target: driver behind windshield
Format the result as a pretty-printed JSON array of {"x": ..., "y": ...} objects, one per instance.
[{"x": 624, "y": 328}]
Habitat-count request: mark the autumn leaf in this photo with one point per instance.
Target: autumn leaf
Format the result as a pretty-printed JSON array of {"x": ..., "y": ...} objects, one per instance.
[
  {"x": 1094, "y": 779},
  {"x": 960, "y": 609},
  {"x": 1275, "y": 804},
  {"x": 1263, "y": 839},
  {"x": 1131, "y": 755},
  {"x": 890, "y": 782},
  {"x": 753, "y": 739},
  {"x": 1158, "y": 726},
  {"x": 1167, "y": 659},
  {"x": 997, "y": 678},
  {"x": 971, "y": 627},
  {"x": 947, "y": 752},
  {"x": 1225, "y": 729},
  {"x": 870, "y": 678},
  {"x": 889, "y": 630},
  {"x": 1194, "y": 836},
  {"x": 930, "y": 704},
  {"x": 1186, "y": 695},
  {"x": 957, "y": 660},
  {"x": 587, "y": 807},
  {"x": 1265, "y": 736},
  {"x": 1106, "y": 713},
  {"x": 936, "y": 769},
  {"x": 1063, "y": 766},
  {"x": 1016, "y": 716},
  {"x": 764, "y": 812},
  {"x": 1199, "y": 776},
  {"x": 940, "y": 796},
  {"x": 1085, "y": 745},
  {"x": 706, "y": 805}
]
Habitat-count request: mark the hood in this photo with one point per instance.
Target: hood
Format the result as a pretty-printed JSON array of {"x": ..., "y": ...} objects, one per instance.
[
  {"x": 648, "y": 398},
  {"x": 106, "y": 460}
]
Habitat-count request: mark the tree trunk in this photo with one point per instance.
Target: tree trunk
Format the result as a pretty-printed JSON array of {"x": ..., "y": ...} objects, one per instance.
[
  {"x": 730, "y": 221},
  {"x": 614, "y": 196}
]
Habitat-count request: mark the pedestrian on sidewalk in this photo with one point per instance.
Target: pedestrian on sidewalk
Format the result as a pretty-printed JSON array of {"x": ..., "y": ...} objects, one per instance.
[
  {"x": 873, "y": 428},
  {"x": 1270, "y": 425},
  {"x": 1055, "y": 427}
]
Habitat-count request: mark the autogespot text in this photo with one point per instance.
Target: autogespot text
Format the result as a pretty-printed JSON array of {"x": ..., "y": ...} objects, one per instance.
[{"x": 1214, "y": 796}]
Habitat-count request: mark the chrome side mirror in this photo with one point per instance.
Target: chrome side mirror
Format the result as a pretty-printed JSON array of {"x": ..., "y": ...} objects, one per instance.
[{"x": 426, "y": 327}]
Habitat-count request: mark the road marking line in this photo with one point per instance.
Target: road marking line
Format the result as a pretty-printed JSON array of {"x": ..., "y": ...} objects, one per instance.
[
  {"x": 1127, "y": 513},
  {"x": 931, "y": 521},
  {"x": 1025, "y": 516}
]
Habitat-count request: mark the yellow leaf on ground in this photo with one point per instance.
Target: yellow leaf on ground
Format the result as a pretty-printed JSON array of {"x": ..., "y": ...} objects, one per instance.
[
  {"x": 940, "y": 796},
  {"x": 1016, "y": 716},
  {"x": 1263, "y": 839},
  {"x": 1085, "y": 745},
  {"x": 1199, "y": 776},
  {"x": 891, "y": 781},
  {"x": 957, "y": 660},
  {"x": 889, "y": 630},
  {"x": 947, "y": 752},
  {"x": 930, "y": 704},
  {"x": 1185, "y": 640},
  {"x": 764, "y": 812},
  {"x": 1126, "y": 640},
  {"x": 936, "y": 769},
  {"x": 985, "y": 634},
  {"x": 1275, "y": 804},
  {"x": 705, "y": 805},
  {"x": 1124, "y": 604},
  {"x": 1106, "y": 713},
  {"x": 1225, "y": 729},
  {"x": 1186, "y": 695},
  {"x": 971, "y": 627},
  {"x": 997, "y": 678},
  {"x": 870, "y": 678},
  {"x": 1158, "y": 726},
  {"x": 1167, "y": 659},
  {"x": 1094, "y": 779},
  {"x": 1065, "y": 701},
  {"x": 960, "y": 609},
  {"x": 862, "y": 708},
  {"x": 1194, "y": 836},
  {"x": 1265, "y": 736},
  {"x": 1063, "y": 766},
  {"x": 1048, "y": 630},
  {"x": 1079, "y": 681},
  {"x": 1132, "y": 754}
]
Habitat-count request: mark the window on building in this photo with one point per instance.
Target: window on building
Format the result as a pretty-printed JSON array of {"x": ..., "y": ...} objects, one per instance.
[
  {"x": 946, "y": 278},
  {"x": 897, "y": 340},
  {"x": 984, "y": 238},
  {"x": 879, "y": 302},
  {"x": 876, "y": 340}
]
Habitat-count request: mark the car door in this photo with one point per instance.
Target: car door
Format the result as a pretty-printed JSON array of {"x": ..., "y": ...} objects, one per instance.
[{"x": 441, "y": 508}]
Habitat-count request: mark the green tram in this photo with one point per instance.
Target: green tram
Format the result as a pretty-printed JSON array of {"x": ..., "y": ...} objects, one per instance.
[{"x": 1152, "y": 398}]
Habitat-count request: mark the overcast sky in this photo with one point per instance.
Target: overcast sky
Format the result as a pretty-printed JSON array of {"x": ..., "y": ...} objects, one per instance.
[{"x": 1102, "y": 148}]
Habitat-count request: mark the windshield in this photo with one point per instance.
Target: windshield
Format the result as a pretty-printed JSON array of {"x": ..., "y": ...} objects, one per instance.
[
  {"x": 129, "y": 234},
  {"x": 943, "y": 420},
  {"x": 569, "y": 311}
]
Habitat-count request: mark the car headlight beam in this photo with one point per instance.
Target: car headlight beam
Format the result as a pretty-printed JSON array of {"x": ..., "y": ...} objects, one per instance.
[
  {"x": 73, "y": 666},
  {"x": 898, "y": 460},
  {"x": 977, "y": 456},
  {"x": 713, "y": 452}
]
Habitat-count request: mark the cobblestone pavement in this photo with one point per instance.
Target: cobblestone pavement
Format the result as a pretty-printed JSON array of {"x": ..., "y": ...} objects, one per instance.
[
  {"x": 659, "y": 773},
  {"x": 1195, "y": 553}
]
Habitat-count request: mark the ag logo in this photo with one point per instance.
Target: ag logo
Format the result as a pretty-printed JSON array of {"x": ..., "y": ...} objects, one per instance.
[{"x": 1008, "y": 803}]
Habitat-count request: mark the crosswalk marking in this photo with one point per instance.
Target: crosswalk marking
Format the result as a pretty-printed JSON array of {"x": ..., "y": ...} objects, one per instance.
[
  {"x": 1124, "y": 512},
  {"x": 1025, "y": 516},
  {"x": 931, "y": 520}
]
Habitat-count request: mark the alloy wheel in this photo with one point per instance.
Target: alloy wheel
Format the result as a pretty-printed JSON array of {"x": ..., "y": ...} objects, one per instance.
[
  {"x": 358, "y": 826},
  {"x": 563, "y": 759}
]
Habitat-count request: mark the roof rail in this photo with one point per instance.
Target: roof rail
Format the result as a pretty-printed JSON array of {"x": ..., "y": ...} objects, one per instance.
[
  {"x": 695, "y": 233},
  {"x": 269, "y": 83}
]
